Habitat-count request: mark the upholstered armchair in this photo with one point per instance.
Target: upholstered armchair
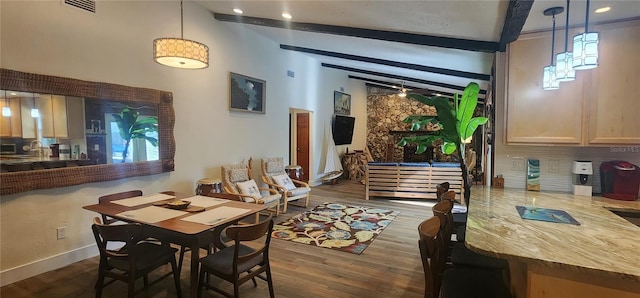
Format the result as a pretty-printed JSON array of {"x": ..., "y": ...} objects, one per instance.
[
  {"x": 273, "y": 174},
  {"x": 236, "y": 179}
]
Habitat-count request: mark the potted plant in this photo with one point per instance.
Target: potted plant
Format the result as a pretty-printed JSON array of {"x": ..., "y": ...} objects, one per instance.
[
  {"x": 456, "y": 126},
  {"x": 132, "y": 127}
]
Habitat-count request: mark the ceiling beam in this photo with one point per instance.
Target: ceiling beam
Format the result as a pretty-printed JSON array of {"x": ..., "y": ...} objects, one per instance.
[
  {"x": 517, "y": 14},
  {"x": 443, "y": 71},
  {"x": 410, "y": 38},
  {"x": 397, "y": 77}
]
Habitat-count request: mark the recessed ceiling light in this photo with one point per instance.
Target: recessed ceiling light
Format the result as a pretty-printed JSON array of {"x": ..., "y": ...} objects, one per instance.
[
  {"x": 13, "y": 93},
  {"x": 286, "y": 15},
  {"x": 238, "y": 11},
  {"x": 603, "y": 9}
]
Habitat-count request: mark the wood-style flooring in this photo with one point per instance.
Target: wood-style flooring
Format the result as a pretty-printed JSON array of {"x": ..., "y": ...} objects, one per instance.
[{"x": 389, "y": 267}]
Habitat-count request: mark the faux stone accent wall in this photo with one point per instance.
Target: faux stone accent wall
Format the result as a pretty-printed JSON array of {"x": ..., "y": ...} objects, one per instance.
[{"x": 385, "y": 112}]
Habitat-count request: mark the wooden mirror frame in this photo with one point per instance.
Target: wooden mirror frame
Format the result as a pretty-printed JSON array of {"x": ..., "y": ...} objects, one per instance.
[{"x": 16, "y": 182}]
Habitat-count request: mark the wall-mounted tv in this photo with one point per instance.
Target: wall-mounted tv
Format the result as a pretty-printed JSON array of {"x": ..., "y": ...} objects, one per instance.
[{"x": 343, "y": 129}]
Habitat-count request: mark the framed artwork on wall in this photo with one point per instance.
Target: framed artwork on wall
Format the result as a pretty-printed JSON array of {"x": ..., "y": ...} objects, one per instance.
[
  {"x": 246, "y": 94},
  {"x": 341, "y": 103}
]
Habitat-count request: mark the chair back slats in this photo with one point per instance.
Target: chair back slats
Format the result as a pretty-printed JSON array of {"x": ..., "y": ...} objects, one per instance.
[{"x": 117, "y": 196}]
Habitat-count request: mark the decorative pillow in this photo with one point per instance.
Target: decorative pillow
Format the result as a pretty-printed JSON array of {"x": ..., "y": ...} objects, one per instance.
[
  {"x": 249, "y": 187},
  {"x": 284, "y": 180}
]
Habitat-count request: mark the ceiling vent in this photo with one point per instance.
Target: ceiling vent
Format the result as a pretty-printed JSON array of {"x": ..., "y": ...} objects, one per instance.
[{"x": 86, "y": 5}]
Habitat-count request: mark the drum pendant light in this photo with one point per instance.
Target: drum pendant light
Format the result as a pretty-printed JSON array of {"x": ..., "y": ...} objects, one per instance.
[
  {"x": 585, "y": 47},
  {"x": 180, "y": 52},
  {"x": 549, "y": 72},
  {"x": 564, "y": 60}
]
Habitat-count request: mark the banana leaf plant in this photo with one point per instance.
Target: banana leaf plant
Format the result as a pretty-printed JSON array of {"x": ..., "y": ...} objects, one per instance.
[
  {"x": 132, "y": 127},
  {"x": 456, "y": 123}
]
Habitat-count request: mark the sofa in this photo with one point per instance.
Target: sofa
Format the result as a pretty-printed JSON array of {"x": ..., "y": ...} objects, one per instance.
[{"x": 411, "y": 179}]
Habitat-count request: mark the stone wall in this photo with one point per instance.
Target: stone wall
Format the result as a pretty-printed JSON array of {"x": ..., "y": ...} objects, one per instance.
[{"x": 385, "y": 112}]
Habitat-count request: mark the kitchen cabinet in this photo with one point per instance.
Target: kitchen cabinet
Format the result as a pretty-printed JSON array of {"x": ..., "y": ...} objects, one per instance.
[
  {"x": 53, "y": 116},
  {"x": 598, "y": 108},
  {"x": 29, "y": 127},
  {"x": 614, "y": 108},
  {"x": 11, "y": 126}
]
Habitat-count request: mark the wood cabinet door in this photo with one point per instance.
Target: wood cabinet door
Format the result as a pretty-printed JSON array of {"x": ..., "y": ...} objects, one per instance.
[
  {"x": 28, "y": 122},
  {"x": 614, "y": 108},
  {"x": 43, "y": 104},
  {"x": 534, "y": 115},
  {"x": 16, "y": 122},
  {"x": 59, "y": 111}
]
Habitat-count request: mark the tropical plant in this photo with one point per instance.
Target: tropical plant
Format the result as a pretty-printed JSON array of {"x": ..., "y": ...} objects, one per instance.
[
  {"x": 131, "y": 127},
  {"x": 456, "y": 126}
]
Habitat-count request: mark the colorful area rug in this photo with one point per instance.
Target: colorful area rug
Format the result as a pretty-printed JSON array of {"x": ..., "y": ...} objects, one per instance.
[{"x": 336, "y": 226}]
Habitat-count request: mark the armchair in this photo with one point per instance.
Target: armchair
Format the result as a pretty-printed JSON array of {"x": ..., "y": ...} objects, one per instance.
[
  {"x": 236, "y": 179},
  {"x": 273, "y": 174}
]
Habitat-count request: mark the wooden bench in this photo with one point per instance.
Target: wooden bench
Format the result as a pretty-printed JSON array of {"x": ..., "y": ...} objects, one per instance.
[{"x": 411, "y": 180}]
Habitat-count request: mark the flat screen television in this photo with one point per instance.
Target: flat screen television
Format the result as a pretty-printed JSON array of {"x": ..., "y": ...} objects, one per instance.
[{"x": 343, "y": 129}]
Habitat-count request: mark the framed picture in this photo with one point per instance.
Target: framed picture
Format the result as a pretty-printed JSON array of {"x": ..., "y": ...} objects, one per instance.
[
  {"x": 246, "y": 94},
  {"x": 341, "y": 103}
]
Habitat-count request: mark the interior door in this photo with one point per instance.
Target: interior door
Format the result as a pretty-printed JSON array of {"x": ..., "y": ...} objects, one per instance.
[{"x": 302, "y": 143}]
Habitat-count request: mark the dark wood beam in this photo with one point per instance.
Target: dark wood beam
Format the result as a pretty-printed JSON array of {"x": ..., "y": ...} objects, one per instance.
[
  {"x": 399, "y": 78},
  {"x": 411, "y": 38},
  {"x": 516, "y": 16},
  {"x": 431, "y": 69}
]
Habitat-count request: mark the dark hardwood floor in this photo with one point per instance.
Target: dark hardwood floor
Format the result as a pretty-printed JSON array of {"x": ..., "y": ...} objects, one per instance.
[{"x": 389, "y": 267}]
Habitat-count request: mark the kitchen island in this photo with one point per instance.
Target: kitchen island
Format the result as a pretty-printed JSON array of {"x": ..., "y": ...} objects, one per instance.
[{"x": 598, "y": 258}]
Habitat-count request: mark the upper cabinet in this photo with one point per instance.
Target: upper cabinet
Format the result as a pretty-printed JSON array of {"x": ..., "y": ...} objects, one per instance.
[
  {"x": 598, "y": 108},
  {"x": 11, "y": 126}
]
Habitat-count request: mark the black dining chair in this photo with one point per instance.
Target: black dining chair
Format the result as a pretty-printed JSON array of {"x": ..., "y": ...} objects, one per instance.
[
  {"x": 135, "y": 259},
  {"x": 116, "y": 196},
  {"x": 453, "y": 282},
  {"x": 240, "y": 262}
]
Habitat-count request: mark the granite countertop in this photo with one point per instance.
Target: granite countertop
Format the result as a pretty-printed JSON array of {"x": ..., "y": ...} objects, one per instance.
[{"x": 603, "y": 243}]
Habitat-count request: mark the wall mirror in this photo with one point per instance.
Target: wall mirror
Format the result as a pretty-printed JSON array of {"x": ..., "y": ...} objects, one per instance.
[{"x": 57, "y": 132}]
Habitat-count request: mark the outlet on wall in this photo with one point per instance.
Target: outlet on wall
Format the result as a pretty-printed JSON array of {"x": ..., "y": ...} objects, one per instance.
[
  {"x": 61, "y": 232},
  {"x": 554, "y": 166},
  {"x": 517, "y": 164}
]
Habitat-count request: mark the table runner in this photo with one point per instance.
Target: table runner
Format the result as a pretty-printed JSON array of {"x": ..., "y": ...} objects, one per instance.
[
  {"x": 151, "y": 214},
  {"x": 205, "y": 202},
  {"x": 141, "y": 200},
  {"x": 215, "y": 215}
]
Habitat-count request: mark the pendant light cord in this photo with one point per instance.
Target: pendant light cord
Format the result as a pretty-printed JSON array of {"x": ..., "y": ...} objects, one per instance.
[
  {"x": 553, "y": 36},
  {"x": 586, "y": 19},
  {"x": 181, "y": 22},
  {"x": 566, "y": 29}
]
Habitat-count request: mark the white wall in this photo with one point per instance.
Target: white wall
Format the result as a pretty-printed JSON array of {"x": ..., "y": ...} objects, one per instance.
[
  {"x": 509, "y": 157},
  {"x": 115, "y": 45}
]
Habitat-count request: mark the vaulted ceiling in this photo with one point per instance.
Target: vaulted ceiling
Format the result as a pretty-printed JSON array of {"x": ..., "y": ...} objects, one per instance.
[{"x": 434, "y": 45}]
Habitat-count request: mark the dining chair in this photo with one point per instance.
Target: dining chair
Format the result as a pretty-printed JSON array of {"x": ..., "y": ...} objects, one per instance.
[
  {"x": 136, "y": 259},
  {"x": 117, "y": 196},
  {"x": 274, "y": 175},
  {"x": 241, "y": 261},
  {"x": 456, "y": 252},
  {"x": 453, "y": 282},
  {"x": 236, "y": 179}
]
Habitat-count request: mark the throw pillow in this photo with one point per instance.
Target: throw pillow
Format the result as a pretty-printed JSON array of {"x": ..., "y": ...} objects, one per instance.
[
  {"x": 249, "y": 187},
  {"x": 284, "y": 180}
]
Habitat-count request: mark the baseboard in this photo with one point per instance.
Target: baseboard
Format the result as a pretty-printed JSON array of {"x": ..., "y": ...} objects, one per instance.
[{"x": 19, "y": 273}]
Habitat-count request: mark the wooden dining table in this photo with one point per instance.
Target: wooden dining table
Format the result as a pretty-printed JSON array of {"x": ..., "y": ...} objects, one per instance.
[{"x": 183, "y": 232}]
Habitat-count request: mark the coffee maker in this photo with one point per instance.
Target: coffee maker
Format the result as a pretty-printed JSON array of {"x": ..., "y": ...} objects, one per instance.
[
  {"x": 582, "y": 185},
  {"x": 620, "y": 180}
]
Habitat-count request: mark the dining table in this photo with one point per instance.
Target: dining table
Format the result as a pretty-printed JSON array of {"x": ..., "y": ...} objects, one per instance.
[{"x": 204, "y": 219}]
